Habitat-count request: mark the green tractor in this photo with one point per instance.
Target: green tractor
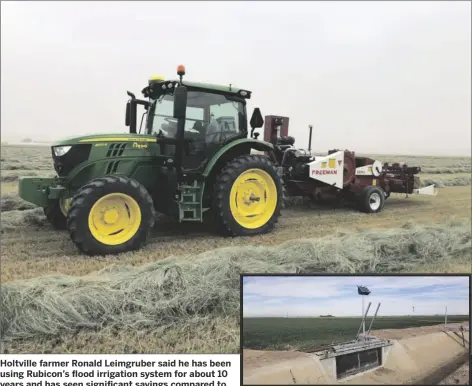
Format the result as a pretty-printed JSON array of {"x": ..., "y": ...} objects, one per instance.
[{"x": 193, "y": 156}]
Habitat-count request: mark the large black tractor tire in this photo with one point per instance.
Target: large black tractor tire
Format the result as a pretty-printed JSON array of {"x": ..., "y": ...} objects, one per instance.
[
  {"x": 110, "y": 215},
  {"x": 247, "y": 197},
  {"x": 55, "y": 216},
  {"x": 371, "y": 199}
]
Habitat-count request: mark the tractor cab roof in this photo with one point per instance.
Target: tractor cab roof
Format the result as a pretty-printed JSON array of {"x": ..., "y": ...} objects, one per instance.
[{"x": 159, "y": 86}]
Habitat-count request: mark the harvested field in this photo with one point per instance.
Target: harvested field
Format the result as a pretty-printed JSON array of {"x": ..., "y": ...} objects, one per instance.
[{"x": 183, "y": 287}]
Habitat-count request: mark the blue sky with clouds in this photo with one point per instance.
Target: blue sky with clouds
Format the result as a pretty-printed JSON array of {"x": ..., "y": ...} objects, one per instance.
[{"x": 314, "y": 296}]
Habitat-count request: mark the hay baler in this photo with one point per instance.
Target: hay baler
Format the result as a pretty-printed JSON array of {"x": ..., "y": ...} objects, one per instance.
[
  {"x": 193, "y": 154},
  {"x": 340, "y": 175}
]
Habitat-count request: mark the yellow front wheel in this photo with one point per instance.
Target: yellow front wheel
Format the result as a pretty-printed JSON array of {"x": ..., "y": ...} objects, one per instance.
[
  {"x": 247, "y": 196},
  {"x": 64, "y": 205},
  {"x": 110, "y": 215},
  {"x": 114, "y": 219}
]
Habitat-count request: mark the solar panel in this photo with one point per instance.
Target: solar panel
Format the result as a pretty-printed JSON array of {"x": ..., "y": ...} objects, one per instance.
[{"x": 362, "y": 290}]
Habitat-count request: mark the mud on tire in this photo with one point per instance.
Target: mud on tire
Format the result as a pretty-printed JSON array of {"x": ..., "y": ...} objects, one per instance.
[
  {"x": 222, "y": 216},
  {"x": 88, "y": 195}
]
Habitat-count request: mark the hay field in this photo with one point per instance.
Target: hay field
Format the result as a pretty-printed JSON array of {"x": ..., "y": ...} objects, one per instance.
[
  {"x": 181, "y": 292},
  {"x": 265, "y": 333}
]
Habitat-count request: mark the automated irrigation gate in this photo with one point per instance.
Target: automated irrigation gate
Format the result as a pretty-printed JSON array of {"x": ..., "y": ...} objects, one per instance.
[{"x": 357, "y": 356}]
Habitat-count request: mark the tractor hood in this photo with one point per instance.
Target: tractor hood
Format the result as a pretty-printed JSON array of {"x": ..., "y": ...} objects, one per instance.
[{"x": 112, "y": 137}]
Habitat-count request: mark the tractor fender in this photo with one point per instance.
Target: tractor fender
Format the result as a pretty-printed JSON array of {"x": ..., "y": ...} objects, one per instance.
[{"x": 234, "y": 145}]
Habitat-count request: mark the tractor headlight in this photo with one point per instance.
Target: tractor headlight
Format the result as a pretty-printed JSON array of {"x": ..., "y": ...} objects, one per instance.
[{"x": 59, "y": 151}]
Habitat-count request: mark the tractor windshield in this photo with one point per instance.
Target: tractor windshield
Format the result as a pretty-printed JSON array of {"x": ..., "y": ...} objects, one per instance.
[{"x": 210, "y": 117}]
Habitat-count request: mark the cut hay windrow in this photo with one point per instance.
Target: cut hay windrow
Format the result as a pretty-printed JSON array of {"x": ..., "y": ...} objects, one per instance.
[
  {"x": 446, "y": 170},
  {"x": 439, "y": 182},
  {"x": 11, "y": 201},
  {"x": 177, "y": 290},
  {"x": 11, "y": 220}
]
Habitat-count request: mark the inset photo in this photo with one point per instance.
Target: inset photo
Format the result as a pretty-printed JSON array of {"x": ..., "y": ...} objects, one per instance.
[{"x": 376, "y": 330}]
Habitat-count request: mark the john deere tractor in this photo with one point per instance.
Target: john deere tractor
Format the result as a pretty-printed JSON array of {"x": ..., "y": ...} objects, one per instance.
[{"x": 191, "y": 155}]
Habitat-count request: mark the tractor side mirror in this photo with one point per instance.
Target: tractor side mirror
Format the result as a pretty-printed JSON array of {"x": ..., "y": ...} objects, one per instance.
[
  {"x": 128, "y": 114},
  {"x": 180, "y": 102},
  {"x": 256, "y": 121},
  {"x": 131, "y": 112}
]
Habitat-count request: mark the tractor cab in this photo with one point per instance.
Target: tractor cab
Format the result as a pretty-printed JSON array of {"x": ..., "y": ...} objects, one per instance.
[{"x": 191, "y": 121}]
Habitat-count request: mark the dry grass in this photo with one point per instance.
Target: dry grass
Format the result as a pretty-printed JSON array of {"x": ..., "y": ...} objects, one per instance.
[
  {"x": 184, "y": 291},
  {"x": 11, "y": 201},
  {"x": 180, "y": 293},
  {"x": 443, "y": 180}
]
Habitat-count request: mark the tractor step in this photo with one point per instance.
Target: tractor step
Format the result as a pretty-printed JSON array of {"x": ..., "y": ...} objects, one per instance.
[{"x": 190, "y": 204}]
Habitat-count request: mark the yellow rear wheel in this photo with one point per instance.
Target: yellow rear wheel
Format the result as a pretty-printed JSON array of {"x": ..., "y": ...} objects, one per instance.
[
  {"x": 114, "y": 219},
  {"x": 247, "y": 196},
  {"x": 253, "y": 198}
]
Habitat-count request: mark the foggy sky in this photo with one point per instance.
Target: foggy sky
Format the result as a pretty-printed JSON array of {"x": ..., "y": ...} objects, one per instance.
[{"x": 385, "y": 77}]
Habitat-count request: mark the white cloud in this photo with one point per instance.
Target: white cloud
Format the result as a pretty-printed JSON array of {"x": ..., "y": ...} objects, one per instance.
[
  {"x": 312, "y": 296},
  {"x": 331, "y": 286}
]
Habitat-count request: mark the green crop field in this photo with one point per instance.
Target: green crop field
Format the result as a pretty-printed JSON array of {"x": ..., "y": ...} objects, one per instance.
[{"x": 304, "y": 333}]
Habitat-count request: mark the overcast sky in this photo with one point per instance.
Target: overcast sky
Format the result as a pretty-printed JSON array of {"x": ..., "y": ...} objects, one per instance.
[
  {"x": 315, "y": 296},
  {"x": 390, "y": 77}
]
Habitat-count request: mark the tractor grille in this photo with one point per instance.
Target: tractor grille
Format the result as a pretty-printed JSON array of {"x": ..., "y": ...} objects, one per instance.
[
  {"x": 112, "y": 167},
  {"x": 116, "y": 149},
  {"x": 75, "y": 156}
]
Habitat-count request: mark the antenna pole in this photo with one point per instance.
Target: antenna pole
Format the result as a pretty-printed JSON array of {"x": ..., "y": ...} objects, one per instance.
[
  {"x": 309, "y": 139},
  {"x": 363, "y": 320},
  {"x": 372, "y": 321}
]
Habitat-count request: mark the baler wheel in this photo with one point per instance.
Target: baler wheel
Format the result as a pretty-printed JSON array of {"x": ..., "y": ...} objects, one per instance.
[
  {"x": 371, "y": 200},
  {"x": 110, "y": 215},
  {"x": 247, "y": 196},
  {"x": 55, "y": 215}
]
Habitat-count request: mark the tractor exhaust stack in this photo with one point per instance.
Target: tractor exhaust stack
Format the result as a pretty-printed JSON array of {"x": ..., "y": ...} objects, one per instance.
[{"x": 309, "y": 138}]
